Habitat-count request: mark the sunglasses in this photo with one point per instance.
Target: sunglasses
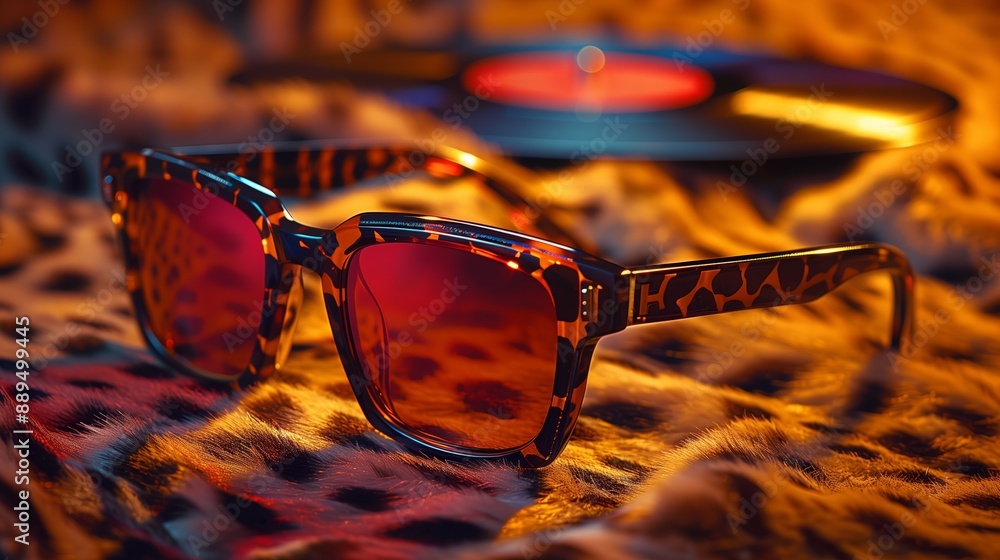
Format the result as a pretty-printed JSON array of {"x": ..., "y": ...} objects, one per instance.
[{"x": 459, "y": 340}]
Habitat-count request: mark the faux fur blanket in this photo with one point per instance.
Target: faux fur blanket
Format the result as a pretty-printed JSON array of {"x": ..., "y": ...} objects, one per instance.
[{"x": 785, "y": 433}]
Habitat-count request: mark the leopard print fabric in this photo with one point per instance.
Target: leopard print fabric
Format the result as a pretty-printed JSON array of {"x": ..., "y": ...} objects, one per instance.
[
  {"x": 774, "y": 433},
  {"x": 732, "y": 448}
]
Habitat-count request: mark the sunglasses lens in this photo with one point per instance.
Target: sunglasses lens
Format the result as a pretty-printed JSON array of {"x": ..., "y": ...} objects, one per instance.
[
  {"x": 201, "y": 268},
  {"x": 459, "y": 349}
]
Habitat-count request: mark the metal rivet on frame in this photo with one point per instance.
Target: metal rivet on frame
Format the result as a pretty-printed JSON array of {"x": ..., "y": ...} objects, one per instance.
[{"x": 587, "y": 300}]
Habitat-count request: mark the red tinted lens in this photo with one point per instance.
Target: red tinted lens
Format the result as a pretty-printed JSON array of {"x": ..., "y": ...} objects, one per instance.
[
  {"x": 201, "y": 268},
  {"x": 460, "y": 348}
]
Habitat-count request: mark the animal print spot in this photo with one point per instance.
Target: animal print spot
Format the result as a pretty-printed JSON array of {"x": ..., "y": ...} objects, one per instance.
[
  {"x": 90, "y": 384},
  {"x": 748, "y": 491},
  {"x": 439, "y": 532},
  {"x": 768, "y": 296},
  {"x": 417, "y": 367},
  {"x": 638, "y": 470},
  {"x": 678, "y": 287},
  {"x": 70, "y": 418},
  {"x": 915, "y": 475},
  {"x": 530, "y": 263},
  {"x": 97, "y": 324},
  {"x": 857, "y": 450},
  {"x": 258, "y": 445},
  {"x": 627, "y": 415},
  {"x": 339, "y": 427},
  {"x": 458, "y": 480},
  {"x": 985, "y": 502},
  {"x": 470, "y": 351},
  {"x": 756, "y": 273},
  {"x": 66, "y": 281},
  {"x": 804, "y": 466},
  {"x": 520, "y": 346},
  {"x": 564, "y": 284},
  {"x": 875, "y": 519},
  {"x": 815, "y": 291},
  {"x": 256, "y": 517},
  {"x": 479, "y": 318},
  {"x": 175, "y": 507},
  {"x": 702, "y": 302},
  {"x": 276, "y": 409},
  {"x": 148, "y": 371},
  {"x": 820, "y": 264},
  {"x": 559, "y": 551},
  {"x": 24, "y": 167},
  {"x": 905, "y": 500},
  {"x": 910, "y": 444},
  {"x": 977, "y": 423},
  {"x": 584, "y": 432},
  {"x": 824, "y": 428},
  {"x": 973, "y": 468},
  {"x": 27, "y": 104},
  {"x": 224, "y": 276},
  {"x": 790, "y": 272},
  {"x": 299, "y": 468},
  {"x": 173, "y": 275},
  {"x": 767, "y": 378},
  {"x": 670, "y": 352},
  {"x": 851, "y": 302},
  {"x": 123, "y": 459},
  {"x": 728, "y": 281},
  {"x": 181, "y": 410},
  {"x": 188, "y": 326},
  {"x": 869, "y": 398},
  {"x": 740, "y": 411},
  {"x": 366, "y": 499},
  {"x": 819, "y": 545},
  {"x": 733, "y": 305},
  {"x": 6, "y": 270},
  {"x": 46, "y": 462},
  {"x": 133, "y": 547},
  {"x": 364, "y": 442},
  {"x": 83, "y": 344},
  {"x": 186, "y": 295},
  {"x": 239, "y": 309},
  {"x": 489, "y": 397},
  {"x": 933, "y": 549},
  {"x": 193, "y": 351},
  {"x": 609, "y": 490}
]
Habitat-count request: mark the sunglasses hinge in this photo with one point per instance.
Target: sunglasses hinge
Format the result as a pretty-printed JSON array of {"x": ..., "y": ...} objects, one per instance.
[{"x": 589, "y": 300}]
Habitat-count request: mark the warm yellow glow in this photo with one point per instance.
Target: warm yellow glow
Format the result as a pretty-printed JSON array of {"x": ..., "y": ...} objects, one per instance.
[
  {"x": 467, "y": 159},
  {"x": 116, "y": 219},
  {"x": 848, "y": 119},
  {"x": 512, "y": 264}
]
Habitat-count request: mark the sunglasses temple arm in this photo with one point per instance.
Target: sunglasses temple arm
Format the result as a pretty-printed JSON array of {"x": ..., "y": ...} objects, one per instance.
[
  {"x": 667, "y": 292},
  {"x": 309, "y": 170}
]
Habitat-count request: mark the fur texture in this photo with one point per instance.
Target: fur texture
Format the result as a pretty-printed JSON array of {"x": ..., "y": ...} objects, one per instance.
[{"x": 784, "y": 433}]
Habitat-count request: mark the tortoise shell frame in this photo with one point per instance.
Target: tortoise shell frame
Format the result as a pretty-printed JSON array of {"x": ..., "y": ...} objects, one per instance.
[{"x": 593, "y": 297}]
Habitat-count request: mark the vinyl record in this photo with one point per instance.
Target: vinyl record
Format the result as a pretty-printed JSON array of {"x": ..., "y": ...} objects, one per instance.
[{"x": 581, "y": 101}]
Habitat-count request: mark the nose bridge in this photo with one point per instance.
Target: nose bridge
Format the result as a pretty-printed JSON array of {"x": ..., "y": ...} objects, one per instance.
[{"x": 307, "y": 247}]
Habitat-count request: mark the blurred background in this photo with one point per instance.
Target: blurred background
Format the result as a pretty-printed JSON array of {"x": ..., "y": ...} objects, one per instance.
[{"x": 81, "y": 77}]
